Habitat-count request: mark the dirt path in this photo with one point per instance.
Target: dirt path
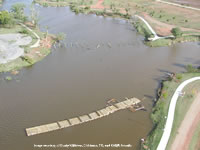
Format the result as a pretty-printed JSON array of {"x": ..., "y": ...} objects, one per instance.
[
  {"x": 98, "y": 5},
  {"x": 164, "y": 29},
  {"x": 188, "y": 126}
]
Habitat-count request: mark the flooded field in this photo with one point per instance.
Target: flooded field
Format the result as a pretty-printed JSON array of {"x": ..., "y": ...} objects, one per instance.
[{"x": 101, "y": 59}]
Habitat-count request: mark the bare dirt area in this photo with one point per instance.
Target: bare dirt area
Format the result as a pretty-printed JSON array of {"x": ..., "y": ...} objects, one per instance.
[
  {"x": 98, "y": 5},
  {"x": 187, "y": 127},
  {"x": 193, "y": 3},
  {"x": 45, "y": 43}
]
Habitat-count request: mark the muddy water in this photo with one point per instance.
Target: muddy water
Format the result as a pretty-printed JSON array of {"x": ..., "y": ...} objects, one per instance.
[{"x": 102, "y": 58}]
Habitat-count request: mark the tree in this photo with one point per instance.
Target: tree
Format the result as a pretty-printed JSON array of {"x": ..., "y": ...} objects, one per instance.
[
  {"x": 34, "y": 16},
  {"x": 18, "y": 11},
  {"x": 47, "y": 32},
  {"x": 5, "y": 18},
  {"x": 176, "y": 32}
]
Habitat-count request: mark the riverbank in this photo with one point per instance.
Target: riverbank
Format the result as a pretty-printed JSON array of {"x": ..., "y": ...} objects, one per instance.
[
  {"x": 31, "y": 54},
  {"x": 162, "y": 24},
  {"x": 160, "y": 110}
]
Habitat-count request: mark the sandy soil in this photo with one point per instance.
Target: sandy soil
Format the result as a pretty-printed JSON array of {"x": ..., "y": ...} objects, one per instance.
[{"x": 187, "y": 128}]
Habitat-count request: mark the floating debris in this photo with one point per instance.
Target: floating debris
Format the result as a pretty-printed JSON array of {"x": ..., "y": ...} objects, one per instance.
[
  {"x": 98, "y": 46},
  {"x": 8, "y": 78},
  {"x": 109, "y": 45},
  {"x": 15, "y": 72}
]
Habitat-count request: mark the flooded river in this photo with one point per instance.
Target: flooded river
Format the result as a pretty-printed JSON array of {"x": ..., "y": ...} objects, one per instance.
[{"x": 101, "y": 59}]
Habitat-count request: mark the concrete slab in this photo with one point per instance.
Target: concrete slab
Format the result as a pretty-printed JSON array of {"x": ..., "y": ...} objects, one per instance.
[
  {"x": 105, "y": 112},
  {"x": 84, "y": 118},
  {"x": 32, "y": 131},
  {"x": 121, "y": 105},
  {"x": 94, "y": 115},
  {"x": 74, "y": 121},
  {"x": 128, "y": 102},
  {"x": 52, "y": 126},
  {"x": 42, "y": 129},
  {"x": 64, "y": 124},
  {"x": 136, "y": 101},
  {"x": 113, "y": 108},
  {"x": 100, "y": 113}
]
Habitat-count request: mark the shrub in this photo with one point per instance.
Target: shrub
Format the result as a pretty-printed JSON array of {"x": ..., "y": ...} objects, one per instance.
[
  {"x": 191, "y": 69},
  {"x": 179, "y": 76},
  {"x": 24, "y": 31},
  {"x": 165, "y": 95},
  {"x": 28, "y": 59},
  {"x": 60, "y": 37}
]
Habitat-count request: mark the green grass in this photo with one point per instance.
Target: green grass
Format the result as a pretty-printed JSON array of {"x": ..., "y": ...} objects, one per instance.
[
  {"x": 161, "y": 109},
  {"x": 14, "y": 65}
]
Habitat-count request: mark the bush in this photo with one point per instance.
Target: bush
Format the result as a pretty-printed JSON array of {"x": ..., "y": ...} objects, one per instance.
[
  {"x": 179, "y": 76},
  {"x": 28, "y": 59},
  {"x": 191, "y": 69},
  {"x": 60, "y": 37},
  {"x": 24, "y": 31}
]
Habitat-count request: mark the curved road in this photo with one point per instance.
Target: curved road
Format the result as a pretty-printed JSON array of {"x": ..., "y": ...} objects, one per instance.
[
  {"x": 170, "y": 117},
  {"x": 156, "y": 37}
]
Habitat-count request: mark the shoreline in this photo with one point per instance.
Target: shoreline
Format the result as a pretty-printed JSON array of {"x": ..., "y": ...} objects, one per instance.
[
  {"x": 141, "y": 27},
  {"x": 160, "y": 109}
]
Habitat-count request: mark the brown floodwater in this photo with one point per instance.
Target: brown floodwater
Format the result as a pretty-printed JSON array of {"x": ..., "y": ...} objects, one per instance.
[{"x": 102, "y": 58}]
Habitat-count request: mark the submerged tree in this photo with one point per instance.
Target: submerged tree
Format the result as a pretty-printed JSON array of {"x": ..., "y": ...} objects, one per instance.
[{"x": 60, "y": 37}]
